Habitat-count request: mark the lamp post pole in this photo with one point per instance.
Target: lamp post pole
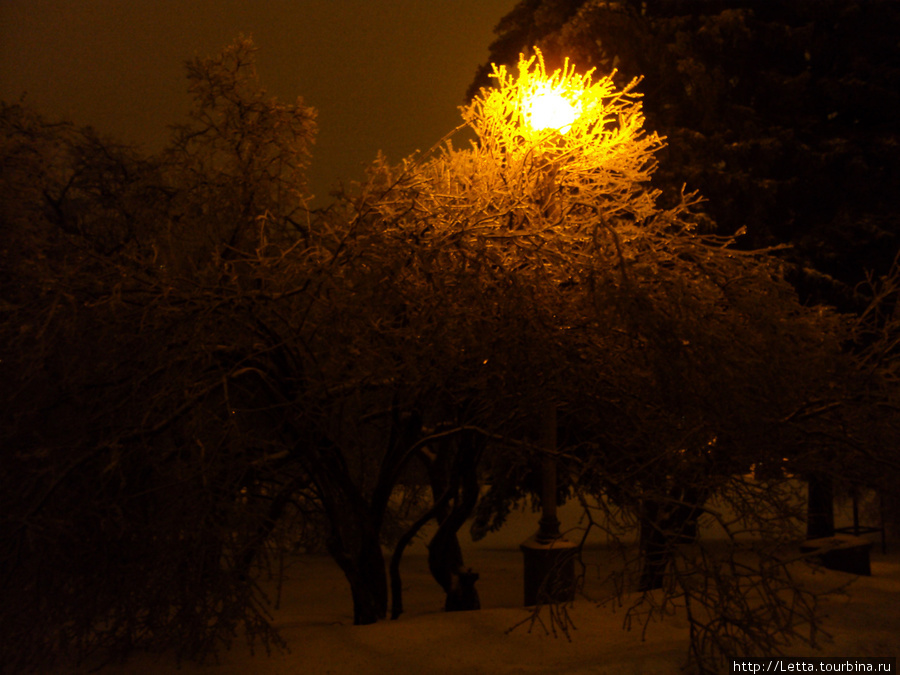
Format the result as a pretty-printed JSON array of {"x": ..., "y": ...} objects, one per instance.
[
  {"x": 548, "y": 530},
  {"x": 548, "y": 557},
  {"x": 550, "y": 133}
]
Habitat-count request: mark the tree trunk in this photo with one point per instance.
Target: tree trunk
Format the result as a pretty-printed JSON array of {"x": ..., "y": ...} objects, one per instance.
[
  {"x": 362, "y": 562},
  {"x": 653, "y": 546},
  {"x": 664, "y": 524},
  {"x": 445, "y": 558},
  {"x": 820, "y": 507},
  {"x": 355, "y": 541},
  {"x": 439, "y": 507},
  {"x": 355, "y": 545}
]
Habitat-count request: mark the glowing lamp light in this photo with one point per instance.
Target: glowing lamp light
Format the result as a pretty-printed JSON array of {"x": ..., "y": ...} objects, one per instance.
[{"x": 549, "y": 108}]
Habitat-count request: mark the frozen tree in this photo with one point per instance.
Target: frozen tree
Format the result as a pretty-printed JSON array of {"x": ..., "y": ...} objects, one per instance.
[
  {"x": 678, "y": 361},
  {"x": 138, "y": 461}
]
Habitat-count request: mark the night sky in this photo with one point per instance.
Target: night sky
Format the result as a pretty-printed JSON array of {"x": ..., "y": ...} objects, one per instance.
[{"x": 386, "y": 74}]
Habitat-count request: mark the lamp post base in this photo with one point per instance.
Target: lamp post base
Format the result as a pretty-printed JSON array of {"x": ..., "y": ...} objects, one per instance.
[{"x": 549, "y": 570}]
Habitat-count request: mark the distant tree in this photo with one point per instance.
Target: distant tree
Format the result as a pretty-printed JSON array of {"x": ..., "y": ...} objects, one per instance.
[{"x": 240, "y": 162}]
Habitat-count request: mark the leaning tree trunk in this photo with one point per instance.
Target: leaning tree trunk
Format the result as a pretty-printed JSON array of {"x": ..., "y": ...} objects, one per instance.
[
  {"x": 445, "y": 560},
  {"x": 439, "y": 507}
]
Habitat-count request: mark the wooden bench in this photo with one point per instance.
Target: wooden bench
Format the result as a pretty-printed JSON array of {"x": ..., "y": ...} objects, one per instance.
[{"x": 842, "y": 552}]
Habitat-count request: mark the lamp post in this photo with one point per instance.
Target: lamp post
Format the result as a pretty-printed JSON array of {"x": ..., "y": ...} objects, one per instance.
[
  {"x": 548, "y": 557},
  {"x": 562, "y": 156}
]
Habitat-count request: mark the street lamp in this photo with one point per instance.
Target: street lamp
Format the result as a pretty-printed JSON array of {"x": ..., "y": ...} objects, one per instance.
[
  {"x": 548, "y": 108},
  {"x": 570, "y": 152}
]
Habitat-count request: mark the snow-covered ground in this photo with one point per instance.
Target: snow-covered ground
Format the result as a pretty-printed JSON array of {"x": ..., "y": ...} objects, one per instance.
[{"x": 315, "y": 618}]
